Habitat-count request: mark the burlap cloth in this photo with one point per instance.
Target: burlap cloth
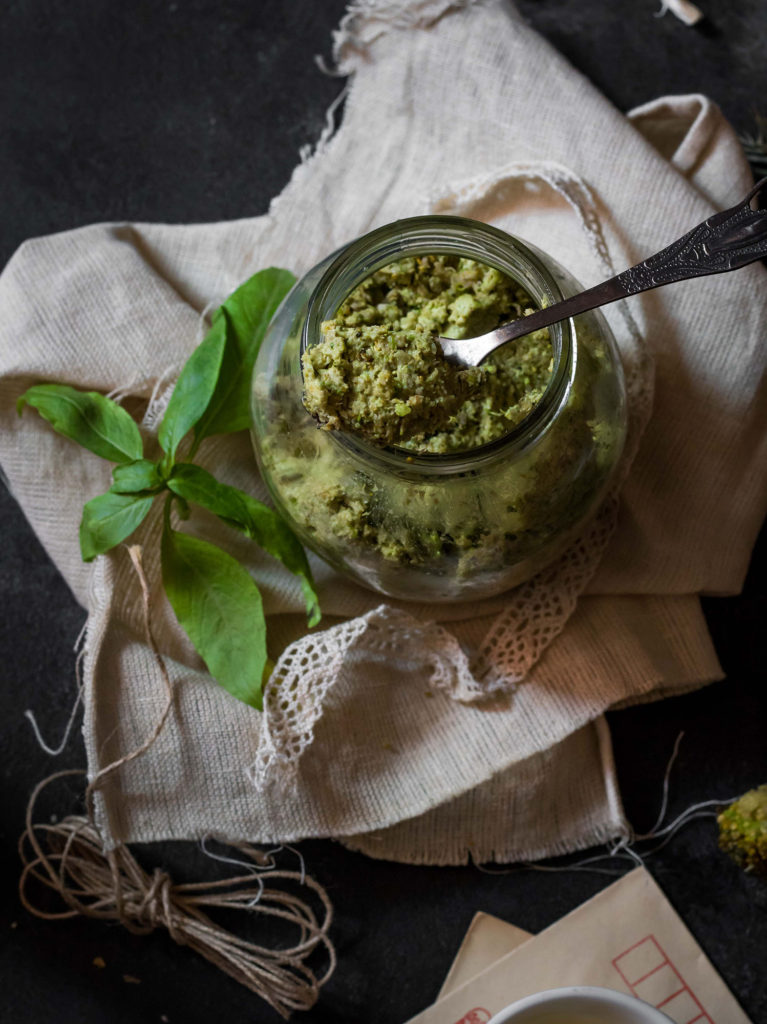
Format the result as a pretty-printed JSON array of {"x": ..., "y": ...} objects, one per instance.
[{"x": 451, "y": 107}]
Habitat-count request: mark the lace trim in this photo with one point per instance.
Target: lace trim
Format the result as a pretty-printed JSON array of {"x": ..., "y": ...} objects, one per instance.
[{"x": 310, "y": 668}]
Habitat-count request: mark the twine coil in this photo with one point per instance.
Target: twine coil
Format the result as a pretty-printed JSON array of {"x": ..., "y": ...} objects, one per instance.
[{"x": 68, "y": 858}]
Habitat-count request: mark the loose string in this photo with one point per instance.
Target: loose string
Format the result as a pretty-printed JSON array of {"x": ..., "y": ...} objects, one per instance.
[
  {"x": 68, "y": 858},
  {"x": 79, "y": 650},
  {"x": 135, "y": 554},
  {"x": 624, "y": 847}
]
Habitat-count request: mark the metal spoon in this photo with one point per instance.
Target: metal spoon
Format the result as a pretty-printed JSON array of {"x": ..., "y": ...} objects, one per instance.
[{"x": 726, "y": 241}]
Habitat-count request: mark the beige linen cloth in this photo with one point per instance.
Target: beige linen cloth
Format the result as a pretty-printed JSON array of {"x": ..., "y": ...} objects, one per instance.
[{"x": 452, "y": 107}]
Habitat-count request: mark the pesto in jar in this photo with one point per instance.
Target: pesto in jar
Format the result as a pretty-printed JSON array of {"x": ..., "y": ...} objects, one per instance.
[
  {"x": 375, "y": 374},
  {"x": 379, "y": 372}
]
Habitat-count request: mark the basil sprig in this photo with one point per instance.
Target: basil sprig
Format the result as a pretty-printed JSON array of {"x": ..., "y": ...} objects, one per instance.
[{"x": 214, "y": 598}]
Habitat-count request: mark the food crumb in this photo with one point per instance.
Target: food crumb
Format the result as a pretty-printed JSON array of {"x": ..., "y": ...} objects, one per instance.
[
  {"x": 129, "y": 979},
  {"x": 14, "y": 924},
  {"x": 163, "y": 1018},
  {"x": 99, "y": 961},
  {"x": 428, "y": 693}
]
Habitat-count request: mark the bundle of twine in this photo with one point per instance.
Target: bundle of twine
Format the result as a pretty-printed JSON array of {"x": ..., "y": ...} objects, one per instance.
[{"x": 69, "y": 858}]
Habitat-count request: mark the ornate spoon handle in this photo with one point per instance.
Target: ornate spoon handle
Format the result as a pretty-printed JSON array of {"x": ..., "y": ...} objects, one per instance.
[{"x": 725, "y": 241}]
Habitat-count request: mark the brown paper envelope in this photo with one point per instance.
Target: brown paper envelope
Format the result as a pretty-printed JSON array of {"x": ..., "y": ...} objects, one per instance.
[
  {"x": 628, "y": 938},
  {"x": 487, "y": 940}
]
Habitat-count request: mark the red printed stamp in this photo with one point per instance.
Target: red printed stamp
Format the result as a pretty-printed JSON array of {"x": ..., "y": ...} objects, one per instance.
[{"x": 650, "y": 975}]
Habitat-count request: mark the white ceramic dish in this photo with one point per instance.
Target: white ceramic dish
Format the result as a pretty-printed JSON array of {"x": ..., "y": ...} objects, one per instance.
[{"x": 580, "y": 1005}]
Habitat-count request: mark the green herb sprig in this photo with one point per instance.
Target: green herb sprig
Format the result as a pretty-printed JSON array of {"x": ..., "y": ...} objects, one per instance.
[{"x": 213, "y": 597}]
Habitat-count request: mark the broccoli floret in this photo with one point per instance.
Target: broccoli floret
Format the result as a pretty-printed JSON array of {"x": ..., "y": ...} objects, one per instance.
[{"x": 743, "y": 831}]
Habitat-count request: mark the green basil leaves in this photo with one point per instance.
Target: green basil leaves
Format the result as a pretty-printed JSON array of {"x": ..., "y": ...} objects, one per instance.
[
  {"x": 193, "y": 391},
  {"x": 261, "y": 523},
  {"x": 137, "y": 477},
  {"x": 212, "y": 394},
  {"x": 95, "y": 422},
  {"x": 219, "y": 607},
  {"x": 214, "y": 598},
  {"x": 245, "y": 316},
  {"x": 108, "y": 520}
]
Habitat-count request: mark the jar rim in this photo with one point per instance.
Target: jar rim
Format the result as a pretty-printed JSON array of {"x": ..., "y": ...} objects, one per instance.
[{"x": 440, "y": 233}]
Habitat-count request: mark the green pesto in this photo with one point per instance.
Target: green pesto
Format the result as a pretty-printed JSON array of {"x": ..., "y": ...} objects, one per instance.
[
  {"x": 466, "y": 524},
  {"x": 500, "y": 519},
  {"x": 378, "y": 370}
]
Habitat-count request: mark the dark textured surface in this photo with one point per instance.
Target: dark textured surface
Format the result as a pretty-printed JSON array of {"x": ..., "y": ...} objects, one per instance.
[{"x": 195, "y": 111}]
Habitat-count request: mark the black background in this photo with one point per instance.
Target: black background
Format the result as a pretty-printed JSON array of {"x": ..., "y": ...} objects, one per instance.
[{"x": 195, "y": 111}]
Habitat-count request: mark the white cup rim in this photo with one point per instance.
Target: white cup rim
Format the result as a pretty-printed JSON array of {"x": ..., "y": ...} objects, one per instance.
[{"x": 551, "y": 998}]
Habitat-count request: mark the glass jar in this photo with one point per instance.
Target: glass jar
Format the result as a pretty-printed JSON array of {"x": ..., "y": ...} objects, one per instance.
[{"x": 440, "y": 527}]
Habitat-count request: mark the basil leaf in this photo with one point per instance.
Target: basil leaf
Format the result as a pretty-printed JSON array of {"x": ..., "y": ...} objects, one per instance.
[
  {"x": 219, "y": 606},
  {"x": 194, "y": 389},
  {"x": 135, "y": 477},
  {"x": 108, "y": 520},
  {"x": 95, "y": 422},
  {"x": 261, "y": 523},
  {"x": 196, "y": 484},
  {"x": 245, "y": 316}
]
